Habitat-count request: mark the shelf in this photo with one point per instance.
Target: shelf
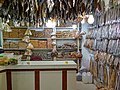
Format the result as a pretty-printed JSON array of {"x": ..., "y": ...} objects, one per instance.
[
  {"x": 66, "y": 59},
  {"x": 37, "y": 49},
  {"x": 64, "y": 28},
  {"x": 25, "y": 49},
  {"x": 41, "y": 27},
  {"x": 12, "y": 38},
  {"x": 65, "y": 38},
  {"x": 42, "y": 49},
  {"x": 41, "y": 60},
  {"x": 10, "y": 49},
  {"x": 21, "y": 38},
  {"x": 67, "y": 49},
  {"x": 12, "y": 27},
  {"x": 39, "y": 38}
]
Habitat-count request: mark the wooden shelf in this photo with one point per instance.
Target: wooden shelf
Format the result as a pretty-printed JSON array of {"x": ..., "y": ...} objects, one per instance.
[
  {"x": 35, "y": 38},
  {"x": 21, "y": 38},
  {"x": 38, "y": 49},
  {"x": 10, "y": 49},
  {"x": 12, "y": 38},
  {"x": 12, "y": 27},
  {"x": 42, "y": 49}
]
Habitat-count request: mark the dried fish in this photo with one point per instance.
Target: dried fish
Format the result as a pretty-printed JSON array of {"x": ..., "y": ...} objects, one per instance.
[{"x": 38, "y": 11}]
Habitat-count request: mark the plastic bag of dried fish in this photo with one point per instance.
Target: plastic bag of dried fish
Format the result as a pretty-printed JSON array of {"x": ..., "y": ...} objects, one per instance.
[
  {"x": 117, "y": 53},
  {"x": 104, "y": 45},
  {"x": 99, "y": 33},
  {"x": 111, "y": 46},
  {"x": 94, "y": 45},
  {"x": 105, "y": 32},
  {"x": 118, "y": 30}
]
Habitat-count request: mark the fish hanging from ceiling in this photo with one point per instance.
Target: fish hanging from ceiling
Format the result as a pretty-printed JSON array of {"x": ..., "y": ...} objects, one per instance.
[{"x": 39, "y": 11}]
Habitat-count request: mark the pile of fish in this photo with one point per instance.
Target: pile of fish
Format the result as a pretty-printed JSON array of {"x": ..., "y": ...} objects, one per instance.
[{"x": 39, "y": 11}]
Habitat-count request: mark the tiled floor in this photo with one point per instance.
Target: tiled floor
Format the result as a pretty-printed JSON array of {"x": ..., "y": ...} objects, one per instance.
[{"x": 82, "y": 86}]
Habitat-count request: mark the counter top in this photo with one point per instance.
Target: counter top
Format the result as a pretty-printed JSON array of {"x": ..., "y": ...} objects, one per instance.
[{"x": 41, "y": 65}]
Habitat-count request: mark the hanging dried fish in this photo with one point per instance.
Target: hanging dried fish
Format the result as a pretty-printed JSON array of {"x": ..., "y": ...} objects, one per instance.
[
  {"x": 38, "y": 11},
  {"x": 50, "y": 5}
]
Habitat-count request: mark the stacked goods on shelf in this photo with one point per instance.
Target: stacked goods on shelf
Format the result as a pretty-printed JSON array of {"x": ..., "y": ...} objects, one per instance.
[
  {"x": 14, "y": 33},
  {"x": 42, "y": 44},
  {"x": 49, "y": 43},
  {"x": 22, "y": 44},
  {"x": 17, "y": 34},
  {"x": 6, "y": 44},
  {"x": 39, "y": 34},
  {"x": 66, "y": 34},
  {"x": 21, "y": 33},
  {"x": 104, "y": 40},
  {"x": 13, "y": 44},
  {"x": 6, "y": 34},
  {"x": 47, "y": 33},
  {"x": 34, "y": 43},
  {"x": 67, "y": 45}
]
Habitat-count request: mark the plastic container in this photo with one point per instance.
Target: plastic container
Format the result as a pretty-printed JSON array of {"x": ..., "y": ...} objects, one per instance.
[
  {"x": 89, "y": 77},
  {"x": 84, "y": 77}
]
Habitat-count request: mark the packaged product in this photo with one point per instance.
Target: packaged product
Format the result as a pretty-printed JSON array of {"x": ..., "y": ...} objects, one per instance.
[{"x": 14, "y": 33}]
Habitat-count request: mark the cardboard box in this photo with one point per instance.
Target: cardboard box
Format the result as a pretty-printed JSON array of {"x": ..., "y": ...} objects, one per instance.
[
  {"x": 6, "y": 34},
  {"x": 34, "y": 43},
  {"x": 42, "y": 44},
  {"x": 14, "y": 33},
  {"x": 13, "y": 44},
  {"x": 39, "y": 34},
  {"x": 22, "y": 44},
  {"x": 48, "y": 32},
  {"x": 21, "y": 33},
  {"x": 6, "y": 44}
]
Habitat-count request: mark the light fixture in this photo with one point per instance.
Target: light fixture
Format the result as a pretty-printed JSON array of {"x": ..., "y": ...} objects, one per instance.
[
  {"x": 50, "y": 23},
  {"x": 74, "y": 26},
  {"x": 53, "y": 24},
  {"x": 91, "y": 19}
]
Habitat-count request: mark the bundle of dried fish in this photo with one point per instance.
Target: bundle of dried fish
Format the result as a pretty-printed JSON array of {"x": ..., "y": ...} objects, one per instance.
[{"x": 36, "y": 12}]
